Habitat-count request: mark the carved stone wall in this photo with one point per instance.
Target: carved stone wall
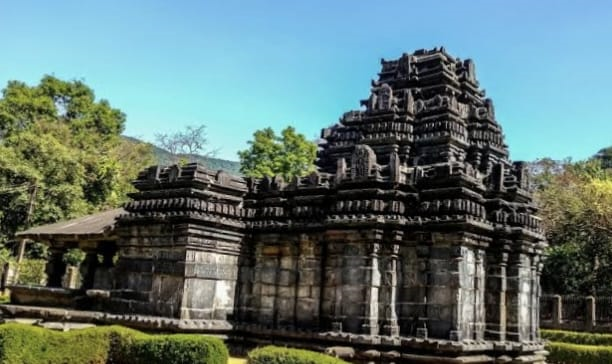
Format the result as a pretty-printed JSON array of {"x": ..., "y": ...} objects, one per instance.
[{"x": 180, "y": 244}]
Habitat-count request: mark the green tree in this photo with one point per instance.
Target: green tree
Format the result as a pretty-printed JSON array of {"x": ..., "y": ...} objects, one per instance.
[
  {"x": 288, "y": 155},
  {"x": 61, "y": 147},
  {"x": 576, "y": 206}
]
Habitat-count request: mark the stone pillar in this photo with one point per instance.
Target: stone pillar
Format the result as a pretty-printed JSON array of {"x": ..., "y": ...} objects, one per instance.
[
  {"x": 370, "y": 325},
  {"x": 423, "y": 279},
  {"x": 495, "y": 296},
  {"x": 557, "y": 310},
  {"x": 479, "y": 290},
  {"x": 534, "y": 322},
  {"x": 390, "y": 326},
  {"x": 72, "y": 278},
  {"x": 518, "y": 297},
  {"x": 55, "y": 268},
  {"x": 460, "y": 292},
  {"x": 590, "y": 312}
]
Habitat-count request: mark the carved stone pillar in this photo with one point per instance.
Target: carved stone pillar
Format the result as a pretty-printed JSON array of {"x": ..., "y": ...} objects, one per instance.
[
  {"x": 479, "y": 290},
  {"x": 423, "y": 280},
  {"x": 460, "y": 326},
  {"x": 540, "y": 266},
  {"x": 55, "y": 268},
  {"x": 390, "y": 326},
  {"x": 518, "y": 297},
  {"x": 535, "y": 299},
  {"x": 495, "y": 296},
  {"x": 370, "y": 325}
]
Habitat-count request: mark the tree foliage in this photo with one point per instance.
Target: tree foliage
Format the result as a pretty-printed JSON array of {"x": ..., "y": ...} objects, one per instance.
[
  {"x": 576, "y": 205},
  {"x": 61, "y": 153},
  {"x": 288, "y": 155}
]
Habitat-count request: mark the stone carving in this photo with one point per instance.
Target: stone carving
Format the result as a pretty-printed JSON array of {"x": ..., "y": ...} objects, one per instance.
[{"x": 362, "y": 162}]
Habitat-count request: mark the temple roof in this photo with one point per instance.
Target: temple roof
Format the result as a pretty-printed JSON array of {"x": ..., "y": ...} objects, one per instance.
[{"x": 99, "y": 224}]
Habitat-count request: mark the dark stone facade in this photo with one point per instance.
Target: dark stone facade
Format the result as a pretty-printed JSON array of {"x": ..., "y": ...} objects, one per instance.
[{"x": 415, "y": 239}]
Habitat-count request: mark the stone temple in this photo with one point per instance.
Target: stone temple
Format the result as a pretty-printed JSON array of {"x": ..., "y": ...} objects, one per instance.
[{"x": 416, "y": 240}]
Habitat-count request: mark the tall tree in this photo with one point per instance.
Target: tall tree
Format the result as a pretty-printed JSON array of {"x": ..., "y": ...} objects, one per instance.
[
  {"x": 288, "y": 155},
  {"x": 56, "y": 137},
  {"x": 576, "y": 206}
]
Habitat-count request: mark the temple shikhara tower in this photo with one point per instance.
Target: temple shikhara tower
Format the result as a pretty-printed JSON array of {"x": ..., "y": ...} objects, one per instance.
[{"x": 416, "y": 239}]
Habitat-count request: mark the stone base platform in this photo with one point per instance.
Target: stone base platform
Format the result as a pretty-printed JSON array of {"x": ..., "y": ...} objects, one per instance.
[
  {"x": 141, "y": 322},
  {"x": 351, "y": 347}
]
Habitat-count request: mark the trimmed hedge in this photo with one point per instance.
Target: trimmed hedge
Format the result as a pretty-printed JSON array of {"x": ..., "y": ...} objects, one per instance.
[
  {"x": 178, "y": 349},
  {"x": 582, "y": 338},
  {"x": 279, "y": 355},
  {"x": 565, "y": 353},
  {"x": 28, "y": 344},
  {"x": 105, "y": 345}
]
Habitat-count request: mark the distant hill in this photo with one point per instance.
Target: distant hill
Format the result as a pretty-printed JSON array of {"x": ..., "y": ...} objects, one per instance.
[{"x": 163, "y": 157}]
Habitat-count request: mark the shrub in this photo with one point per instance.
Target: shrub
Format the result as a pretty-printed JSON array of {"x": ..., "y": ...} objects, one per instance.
[
  {"x": 565, "y": 353},
  {"x": 279, "y": 355},
  {"x": 108, "y": 344},
  {"x": 32, "y": 272},
  {"x": 178, "y": 349},
  {"x": 28, "y": 344},
  {"x": 582, "y": 338},
  {"x": 74, "y": 257}
]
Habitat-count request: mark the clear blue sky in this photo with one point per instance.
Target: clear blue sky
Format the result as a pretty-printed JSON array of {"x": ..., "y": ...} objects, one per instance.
[{"x": 237, "y": 66}]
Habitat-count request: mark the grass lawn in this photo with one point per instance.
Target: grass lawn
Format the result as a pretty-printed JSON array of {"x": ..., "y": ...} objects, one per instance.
[{"x": 236, "y": 361}]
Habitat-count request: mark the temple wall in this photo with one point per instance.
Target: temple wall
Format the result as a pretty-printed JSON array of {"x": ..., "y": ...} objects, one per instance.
[
  {"x": 149, "y": 274},
  {"x": 286, "y": 281},
  {"x": 351, "y": 282},
  {"x": 309, "y": 282},
  {"x": 210, "y": 285}
]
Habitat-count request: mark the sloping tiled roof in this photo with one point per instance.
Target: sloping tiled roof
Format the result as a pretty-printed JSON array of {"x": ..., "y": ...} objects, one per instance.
[{"x": 99, "y": 224}]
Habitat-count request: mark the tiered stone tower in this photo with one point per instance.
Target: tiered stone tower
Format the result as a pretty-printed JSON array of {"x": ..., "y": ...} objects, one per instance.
[{"x": 416, "y": 238}]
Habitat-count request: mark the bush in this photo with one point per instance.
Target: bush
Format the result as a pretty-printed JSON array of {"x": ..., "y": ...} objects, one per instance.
[
  {"x": 278, "y": 355},
  {"x": 28, "y": 344},
  {"x": 178, "y": 349},
  {"x": 32, "y": 272},
  {"x": 565, "y": 353},
  {"x": 74, "y": 257},
  {"x": 582, "y": 338},
  {"x": 109, "y": 344}
]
